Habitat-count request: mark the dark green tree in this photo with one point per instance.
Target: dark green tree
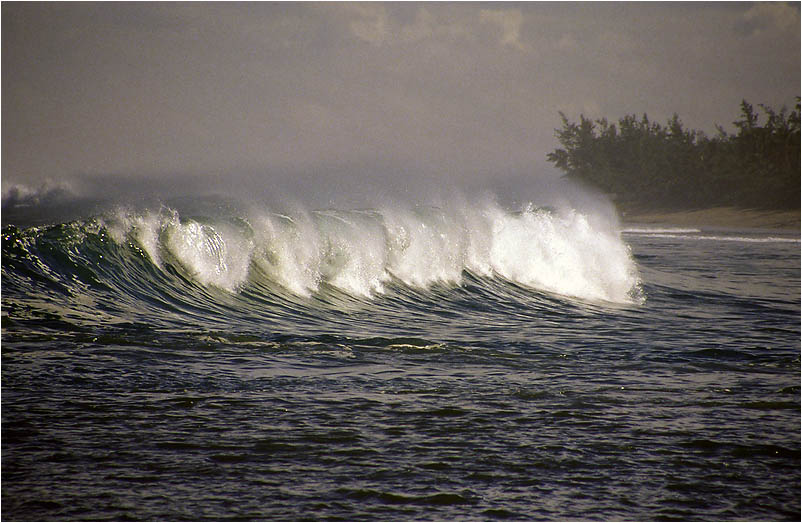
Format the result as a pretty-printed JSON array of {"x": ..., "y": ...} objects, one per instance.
[{"x": 645, "y": 164}]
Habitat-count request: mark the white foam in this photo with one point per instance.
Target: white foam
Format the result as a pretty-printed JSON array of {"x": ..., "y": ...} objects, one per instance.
[
  {"x": 725, "y": 238},
  {"x": 354, "y": 251},
  {"x": 659, "y": 230},
  {"x": 288, "y": 250},
  {"x": 144, "y": 229},
  {"x": 359, "y": 251},
  {"x": 215, "y": 255},
  {"x": 212, "y": 254},
  {"x": 426, "y": 246},
  {"x": 562, "y": 254},
  {"x": 568, "y": 253}
]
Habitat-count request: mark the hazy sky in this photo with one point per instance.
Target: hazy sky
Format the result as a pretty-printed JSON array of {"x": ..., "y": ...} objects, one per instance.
[{"x": 254, "y": 94}]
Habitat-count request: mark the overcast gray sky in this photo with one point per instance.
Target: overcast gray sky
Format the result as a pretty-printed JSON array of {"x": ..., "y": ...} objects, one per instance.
[{"x": 252, "y": 95}]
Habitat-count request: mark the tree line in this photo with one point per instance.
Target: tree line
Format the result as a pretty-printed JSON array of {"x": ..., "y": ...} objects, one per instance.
[{"x": 643, "y": 164}]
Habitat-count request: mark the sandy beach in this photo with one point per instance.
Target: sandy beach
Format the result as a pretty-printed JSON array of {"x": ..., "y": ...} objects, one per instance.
[{"x": 724, "y": 217}]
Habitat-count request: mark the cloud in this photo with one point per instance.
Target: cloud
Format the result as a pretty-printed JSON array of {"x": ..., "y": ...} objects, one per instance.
[
  {"x": 567, "y": 42},
  {"x": 423, "y": 27},
  {"x": 509, "y": 21},
  {"x": 371, "y": 24},
  {"x": 770, "y": 17}
]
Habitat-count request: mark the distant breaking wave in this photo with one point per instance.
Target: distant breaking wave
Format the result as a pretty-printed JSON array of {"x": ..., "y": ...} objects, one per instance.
[
  {"x": 659, "y": 230},
  {"x": 20, "y": 195},
  {"x": 697, "y": 234},
  {"x": 358, "y": 252}
]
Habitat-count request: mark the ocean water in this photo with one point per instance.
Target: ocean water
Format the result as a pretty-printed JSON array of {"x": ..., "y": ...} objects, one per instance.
[{"x": 465, "y": 362}]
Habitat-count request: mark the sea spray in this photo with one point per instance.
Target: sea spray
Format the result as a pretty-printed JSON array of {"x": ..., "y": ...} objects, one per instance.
[
  {"x": 216, "y": 253},
  {"x": 565, "y": 252},
  {"x": 288, "y": 250},
  {"x": 562, "y": 253}
]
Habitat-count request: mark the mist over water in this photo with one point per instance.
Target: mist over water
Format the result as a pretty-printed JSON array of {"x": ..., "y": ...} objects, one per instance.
[
  {"x": 428, "y": 235},
  {"x": 342, "y": 188},
  {"x": 455, "y": 355}
]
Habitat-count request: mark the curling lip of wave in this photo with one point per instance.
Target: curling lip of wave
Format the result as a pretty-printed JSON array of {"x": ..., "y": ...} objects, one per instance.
[{"x": 360, "y": 252}]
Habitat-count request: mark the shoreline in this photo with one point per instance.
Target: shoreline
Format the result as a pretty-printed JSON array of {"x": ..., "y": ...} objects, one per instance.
[{"x": 717, "y": 217}]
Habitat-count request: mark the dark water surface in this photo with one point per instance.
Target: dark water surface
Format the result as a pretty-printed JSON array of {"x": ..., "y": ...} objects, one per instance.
[{"x": 147, "y": 375}]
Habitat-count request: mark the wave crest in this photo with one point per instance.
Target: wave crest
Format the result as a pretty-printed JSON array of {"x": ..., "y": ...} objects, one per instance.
[{"x": 361, "y": 251}]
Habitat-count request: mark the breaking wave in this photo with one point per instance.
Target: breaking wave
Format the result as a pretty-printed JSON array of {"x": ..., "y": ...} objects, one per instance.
[{"x": 190, "y": 261}]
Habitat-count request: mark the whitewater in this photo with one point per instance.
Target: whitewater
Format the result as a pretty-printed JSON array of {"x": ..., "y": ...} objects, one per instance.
[
  {"x": 360, "y": 251},
  {"x": 209, "y": 358}
]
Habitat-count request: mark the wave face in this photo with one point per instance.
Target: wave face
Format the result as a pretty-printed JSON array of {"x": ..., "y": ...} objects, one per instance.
[{"x": 357, "y": 253}]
